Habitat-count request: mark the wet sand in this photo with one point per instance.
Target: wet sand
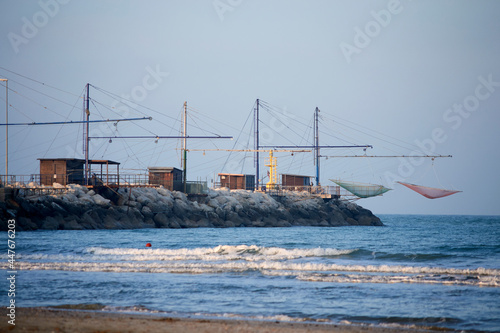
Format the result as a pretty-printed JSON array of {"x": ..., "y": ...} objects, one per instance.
[{"x": 57, "y": 320}]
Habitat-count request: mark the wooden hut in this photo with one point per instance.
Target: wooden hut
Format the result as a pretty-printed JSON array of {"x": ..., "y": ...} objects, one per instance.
[
  {"x": 295, "y": 182},
  {"x": 168, "y": 177},
  {"x": 235, "y": 181},
  {"x": 66, "y": 171},
  {"x": 62, "y": 171}
]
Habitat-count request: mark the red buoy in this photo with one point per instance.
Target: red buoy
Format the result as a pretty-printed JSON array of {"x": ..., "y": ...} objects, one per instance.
[{"x": 148, "y": 244}]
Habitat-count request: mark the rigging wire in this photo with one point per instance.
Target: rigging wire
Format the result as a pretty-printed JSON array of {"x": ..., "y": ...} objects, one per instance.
[
  {"x": 61, "y": 127},
  {"x": 278, "y": 116},
  {"x": 217, "y": 121},
  {"x": 436, "y": 175},
  {"x": 110, "y": 109},
  {"x": 246, "y": 153},
  {"x": 206, "y": 132},
  {"x": 303, "y": 156},
  {"x": 17, "y": 110},
  {"x": 129, "y": 151},
  {"x": 145, "y": 107},
  {"x": 19, "y": 157},
  {"x": 42, "y": 93},
  {"x": 337, "y": 137},
  {"x": 303, "y": 138},
  {"x": 270, "y": 106},
  {"x": 121, "y": 99},
  {"x": 408, "y": 145},
  {"x": 35, "y": 102},
  {"x": 164, "y": 144},
  {"x": 278, "y": 119},
  {"x": 239, "y": 135},
  {"x": 100, "y": 114},
  {"x": 40, "y": 82}
]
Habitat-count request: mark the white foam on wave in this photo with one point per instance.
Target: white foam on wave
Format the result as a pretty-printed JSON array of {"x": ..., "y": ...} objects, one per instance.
[
  {"x": 129, "y": 309},
  {"x": 221, "y": 252},
  {"x": 314, "y": 264},
  {"x": 303, "y": 271},
  {"x": 204, "y": 315},
  {"x": 446, "y": 279}
]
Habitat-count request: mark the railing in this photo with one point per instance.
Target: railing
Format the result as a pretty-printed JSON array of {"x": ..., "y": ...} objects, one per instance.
[
  {"x": 132, "y": 180},
  {"x": 43, "y": 184},
  {"x": 196, "y": 187},
  {"x": 279, "y": 190},
  {"x": 39, "y": 191},
  {"x": 31, "y": 180},
  {"x": 128, "y": 179}
]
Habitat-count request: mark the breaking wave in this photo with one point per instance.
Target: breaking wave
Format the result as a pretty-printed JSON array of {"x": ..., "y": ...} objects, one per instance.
[
  {"x": 314, "y": 264},
  {"x": 221, "y": 252}
]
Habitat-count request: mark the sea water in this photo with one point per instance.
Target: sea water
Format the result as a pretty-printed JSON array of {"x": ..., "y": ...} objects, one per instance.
[{"x": 417, "y": 271}]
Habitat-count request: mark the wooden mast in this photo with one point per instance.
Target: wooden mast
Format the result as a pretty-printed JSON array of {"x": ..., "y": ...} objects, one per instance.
[
  {"x": 86, "y": 140},
  {"x": 184, "y": 147}
]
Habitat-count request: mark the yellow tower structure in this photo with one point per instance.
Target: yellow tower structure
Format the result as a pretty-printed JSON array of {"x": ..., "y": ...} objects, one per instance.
[{"x": 273, "y": 172}]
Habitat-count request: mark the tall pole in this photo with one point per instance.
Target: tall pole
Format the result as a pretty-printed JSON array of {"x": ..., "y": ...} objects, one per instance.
[
  {"x": 6, "y": 130},
  {"x": 184, "y": 148},
  {"x": 316, "y": 148},
  {"x": 256, "y": 119},
  {"x": 87, "y": 114}
]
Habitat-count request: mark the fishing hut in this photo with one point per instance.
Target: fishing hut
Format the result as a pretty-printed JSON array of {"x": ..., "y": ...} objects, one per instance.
[
  {"x": 234, "y": 181},
  {"x": 295, "y": 182},
  {"x": 169, "y": 177},
  {"x": 66, "y": 171}
]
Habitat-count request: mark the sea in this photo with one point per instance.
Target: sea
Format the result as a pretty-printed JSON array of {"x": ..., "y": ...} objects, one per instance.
[{"x": 418, "y": 271}]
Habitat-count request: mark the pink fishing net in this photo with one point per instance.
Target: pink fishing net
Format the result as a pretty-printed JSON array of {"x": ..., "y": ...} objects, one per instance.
[{"x": 429, "y": 192}]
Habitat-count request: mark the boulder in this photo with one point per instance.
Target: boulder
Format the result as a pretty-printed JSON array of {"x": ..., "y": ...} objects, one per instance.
[
  {"x": 26, "y": 224},
  {"x": 161, "y": 220},
  {"x": 99, "y": 200},
  {"x": 72, "y": 225},
  {"x": 52, "y": 223}
]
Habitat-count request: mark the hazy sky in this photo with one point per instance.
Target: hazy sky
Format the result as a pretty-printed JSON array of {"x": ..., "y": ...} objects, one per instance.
[{"x": 408, "y": 77}]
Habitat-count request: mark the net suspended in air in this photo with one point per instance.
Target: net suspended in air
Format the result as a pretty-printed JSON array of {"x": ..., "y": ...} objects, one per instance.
[
  {"x": 429, "y": 192},
  {"x": 362, "y": 190}
]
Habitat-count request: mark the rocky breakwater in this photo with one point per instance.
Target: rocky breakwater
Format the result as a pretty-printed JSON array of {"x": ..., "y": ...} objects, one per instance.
[{"x": 79, "y": 208}]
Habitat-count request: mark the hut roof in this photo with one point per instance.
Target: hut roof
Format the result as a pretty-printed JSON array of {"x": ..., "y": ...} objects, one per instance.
[{"x": 80, "y": 160}]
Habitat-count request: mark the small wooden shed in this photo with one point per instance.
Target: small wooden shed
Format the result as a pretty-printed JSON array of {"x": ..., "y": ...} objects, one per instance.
[
  {"x": 295, "y": 182},
  {"x": 168, "y": 177},
  {"x": 66, "y": 171},
  {"x": 235, "y": 181},
  {"x": 61, "y": 170}
]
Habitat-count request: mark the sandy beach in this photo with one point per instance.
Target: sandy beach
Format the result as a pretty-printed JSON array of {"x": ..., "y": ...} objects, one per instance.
[{"x": 57, "y": 320}]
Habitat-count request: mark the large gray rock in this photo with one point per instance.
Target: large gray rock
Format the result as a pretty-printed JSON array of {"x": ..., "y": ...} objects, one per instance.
[
  {"x": 161, "y": 220},
  {"x": 52, "y": 223}
]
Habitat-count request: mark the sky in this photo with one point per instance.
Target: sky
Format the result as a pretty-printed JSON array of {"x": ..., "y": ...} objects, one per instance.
[{"x": 409, "y": 78}]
